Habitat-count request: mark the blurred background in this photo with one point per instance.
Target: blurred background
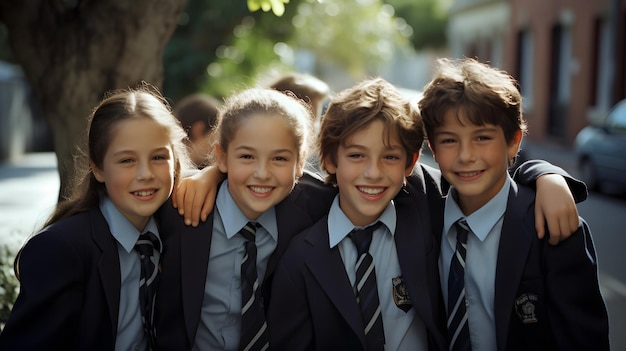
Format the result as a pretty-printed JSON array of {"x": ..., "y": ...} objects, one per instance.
[
  {"x": 568, "y": 55},
  {"x": 59, "y": 58}
]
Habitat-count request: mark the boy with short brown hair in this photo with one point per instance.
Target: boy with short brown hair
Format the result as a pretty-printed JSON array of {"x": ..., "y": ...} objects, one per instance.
[{"x": 504, "y": 288}]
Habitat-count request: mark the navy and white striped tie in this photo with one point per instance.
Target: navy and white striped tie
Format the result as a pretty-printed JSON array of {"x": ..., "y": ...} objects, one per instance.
[
  {"x": 458, "y": 329},
  {"x": 148, "y": 281},
  {"x": 254, "y": 334},
  {"x": 367, "y": 290}
]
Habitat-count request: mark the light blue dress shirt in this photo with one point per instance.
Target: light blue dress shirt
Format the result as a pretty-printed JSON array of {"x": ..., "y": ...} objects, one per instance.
[
  {"x": 403, "y": 330},
  {"x": 480, "y": 263},
  {"x": 220, "y": 321},
  {"x": 130, "y": 334}
]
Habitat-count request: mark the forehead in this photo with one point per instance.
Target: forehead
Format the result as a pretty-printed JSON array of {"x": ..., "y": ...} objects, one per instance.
[
  {"x": 457, "y": 121},
  {"x": 457, "y": 117},
  {"x": 264, "y": 131},
  {"x": 138, "y": 134},
  {"x": 372, "y": 133}
]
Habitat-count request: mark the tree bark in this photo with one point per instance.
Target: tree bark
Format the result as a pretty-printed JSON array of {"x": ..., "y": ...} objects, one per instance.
[{"x": 73, "y": 52}]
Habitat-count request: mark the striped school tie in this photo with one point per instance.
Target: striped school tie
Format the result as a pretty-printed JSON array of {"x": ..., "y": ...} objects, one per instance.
[
  {"x": 148, "y": 282},
  {"x": 458, "y": 329},
  {"x": 253, "y": 326},
  {"x": 367, "y": 291}
]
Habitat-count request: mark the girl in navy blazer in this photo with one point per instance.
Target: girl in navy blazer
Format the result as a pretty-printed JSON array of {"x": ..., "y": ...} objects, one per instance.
[
  {"x": 261, "y": 141},
  {"x": 80, "y": 275}
]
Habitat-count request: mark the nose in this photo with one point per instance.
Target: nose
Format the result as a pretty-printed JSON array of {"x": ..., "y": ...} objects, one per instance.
[
  {"x": 467, "y": 152},
  {"x": 262, "y": 170},
  {"x": 144, "y": 171},
  {"x": 373, "y": 169}
]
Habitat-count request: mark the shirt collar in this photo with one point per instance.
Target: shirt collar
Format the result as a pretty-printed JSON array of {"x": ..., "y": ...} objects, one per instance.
[
  {"x": 121, "y": 228},
  {"x": 339, "y": 226},
  {"x": 482, "y": 220},
  {"x": 234, "y": 219}
]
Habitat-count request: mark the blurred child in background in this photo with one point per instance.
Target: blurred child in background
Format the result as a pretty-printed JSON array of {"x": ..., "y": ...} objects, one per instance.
[{"x": 198, "y": 116}]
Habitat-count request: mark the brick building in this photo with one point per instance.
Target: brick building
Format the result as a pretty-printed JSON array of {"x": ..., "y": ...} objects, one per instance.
[{"x": 569, "y": 56}]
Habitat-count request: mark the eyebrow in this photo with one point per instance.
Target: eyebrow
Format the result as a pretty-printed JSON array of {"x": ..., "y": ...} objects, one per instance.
[
  {"x": 249, "y": 148},
  {"x": 482, "y": 129},
  {"x": 487, "y": 129},
  {"x": 133, "y": 151},
  {"x": 364, "y": 147}
]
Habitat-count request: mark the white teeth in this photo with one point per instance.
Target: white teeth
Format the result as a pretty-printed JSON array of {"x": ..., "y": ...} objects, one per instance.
[
  {"x": 261, "y": 189},
  {"x": 469, "y": 174},
  {"x": 143, "y": 193},
  {"x": 371, "y": 191}
]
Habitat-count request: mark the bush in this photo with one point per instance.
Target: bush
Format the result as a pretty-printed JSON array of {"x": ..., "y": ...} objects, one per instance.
[{"x": 9, "y": 285}]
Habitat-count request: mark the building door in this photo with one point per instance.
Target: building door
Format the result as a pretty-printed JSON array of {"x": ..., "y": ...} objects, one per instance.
[{"x": 560, "y": 82}]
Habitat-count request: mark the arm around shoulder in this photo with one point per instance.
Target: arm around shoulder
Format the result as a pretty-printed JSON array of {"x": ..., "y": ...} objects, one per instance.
[
  {"x": 557, "y": 193},
  {"x": 528, "y": 173}
]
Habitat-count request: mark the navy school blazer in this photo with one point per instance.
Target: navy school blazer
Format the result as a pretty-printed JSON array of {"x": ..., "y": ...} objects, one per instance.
[
  {"x": 546, "y": 297},
  {"x": 313, "y": 306},
  {"x": 179, "y": 300},
  {"x": 70, "y": 288},
  {"x": 186, "y": 255}
]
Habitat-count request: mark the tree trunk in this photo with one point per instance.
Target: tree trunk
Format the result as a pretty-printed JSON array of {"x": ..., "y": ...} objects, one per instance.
[{"x": 73, "y": 52}]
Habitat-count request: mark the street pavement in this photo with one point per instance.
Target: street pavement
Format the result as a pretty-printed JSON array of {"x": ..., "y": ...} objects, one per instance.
[{"x": 29, "y": 189}]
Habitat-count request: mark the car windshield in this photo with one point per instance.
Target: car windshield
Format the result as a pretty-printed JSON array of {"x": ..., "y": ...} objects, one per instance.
[{"x": 617, "y": 118}]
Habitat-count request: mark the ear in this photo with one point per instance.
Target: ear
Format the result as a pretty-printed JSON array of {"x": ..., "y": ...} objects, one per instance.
[
  {"x": 329, "y": 166},
  {"x": 96, "y": 172},
  {"x": 300, "y": 167},
  {"x": 514, "y": 145},
  {"x": 432, "y": 150},
  {"x": 409, "y": 169},
  {"x": 222, "y": 164}
]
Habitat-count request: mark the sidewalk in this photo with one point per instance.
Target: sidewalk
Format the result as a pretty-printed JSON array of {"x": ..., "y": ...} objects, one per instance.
[{"x": 28, "y": 193}]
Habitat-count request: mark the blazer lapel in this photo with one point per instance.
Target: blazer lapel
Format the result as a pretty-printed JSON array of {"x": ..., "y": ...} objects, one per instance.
[
  {"x": 414, "y": 240},
  {"x": 512, "y": 253},
  {"x": 286, "y": 211},
  {"x": 327, "y": 267},
  {"x": 194, "y": 255},
  {"x": 108, "y": 264}
]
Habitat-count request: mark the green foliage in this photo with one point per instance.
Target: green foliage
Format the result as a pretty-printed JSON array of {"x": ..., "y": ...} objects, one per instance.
[
  {"x": 277, "y": 6},
  {"x": 221, "y": 46},
  {"x": 9, "y": 286},
  {"x": 202, "y": 28},
  {"x": 211, "y": 32},
  {"x": 428, "y": 18},
  {"x": 238, "y": 65},
  {"x": 357, "y": 36}
]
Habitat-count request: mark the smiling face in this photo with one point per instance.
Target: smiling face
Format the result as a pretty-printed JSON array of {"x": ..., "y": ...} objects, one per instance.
[
  {"x": 369, "y": 172},
  {"x": 137, "y": 169},
  {"x": 473, "y": 158},
  {"x": 262, "y": 163}
]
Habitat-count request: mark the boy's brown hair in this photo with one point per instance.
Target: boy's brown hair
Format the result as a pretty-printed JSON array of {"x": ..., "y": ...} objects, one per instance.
[
  {"x": 485, "y": 94},
  {"x": 355, "y": 108}
]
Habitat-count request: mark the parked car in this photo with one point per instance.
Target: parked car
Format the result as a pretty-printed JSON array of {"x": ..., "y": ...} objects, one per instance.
[{"x": 601, "y": 150}]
